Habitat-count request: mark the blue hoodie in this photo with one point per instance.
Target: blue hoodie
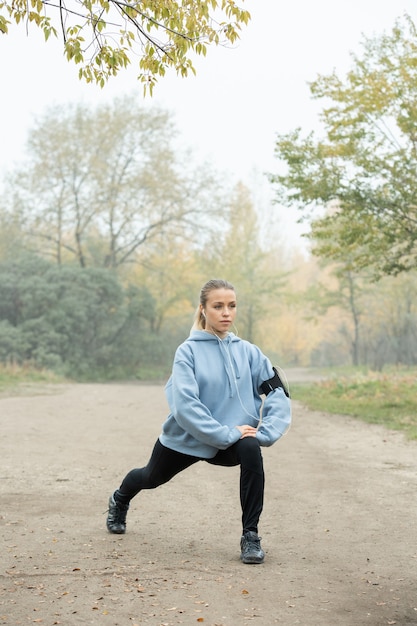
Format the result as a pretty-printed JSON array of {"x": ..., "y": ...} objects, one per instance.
[{"x": 214, "y": 387}]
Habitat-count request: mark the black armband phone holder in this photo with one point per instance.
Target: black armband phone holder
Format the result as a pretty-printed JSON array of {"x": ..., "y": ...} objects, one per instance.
[{"x": 274, "y": 383}]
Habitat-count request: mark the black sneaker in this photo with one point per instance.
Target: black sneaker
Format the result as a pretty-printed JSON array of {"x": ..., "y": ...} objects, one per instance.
[
  {"x": 116, "y": 518},
  {"x": 250, "y": 544}
]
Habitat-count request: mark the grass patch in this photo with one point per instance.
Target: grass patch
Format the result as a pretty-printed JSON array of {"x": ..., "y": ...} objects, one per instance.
[
  {"x": 15, "y": 377},
  {"x": 386, "y": 399}
]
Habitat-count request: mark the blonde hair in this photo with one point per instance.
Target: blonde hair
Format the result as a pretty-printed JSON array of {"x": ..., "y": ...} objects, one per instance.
[{"x": 214, "y": 283}]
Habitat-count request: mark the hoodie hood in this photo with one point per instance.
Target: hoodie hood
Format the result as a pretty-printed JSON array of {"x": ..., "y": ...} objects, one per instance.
[{"x": 204, "y": 335}]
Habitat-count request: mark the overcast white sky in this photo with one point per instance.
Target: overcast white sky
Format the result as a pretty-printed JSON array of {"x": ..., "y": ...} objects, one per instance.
[{"x": 241, "y": 98}]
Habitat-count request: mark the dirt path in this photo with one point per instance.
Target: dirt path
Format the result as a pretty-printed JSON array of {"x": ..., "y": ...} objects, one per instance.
[{"x": 339, "y": 526}]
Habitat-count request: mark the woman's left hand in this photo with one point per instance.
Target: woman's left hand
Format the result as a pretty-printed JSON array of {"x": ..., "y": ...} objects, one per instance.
[{"x": 247, "y": 431}]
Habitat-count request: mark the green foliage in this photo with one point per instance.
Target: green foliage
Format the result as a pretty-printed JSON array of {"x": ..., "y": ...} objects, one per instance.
[
  {"x": 81, "y": 323},
  {"x": 124, "y": 222},
  {"x": 103, "y": 35},
  {"x": 362, "y": 171},
  {"x": 386, "y": 399}
]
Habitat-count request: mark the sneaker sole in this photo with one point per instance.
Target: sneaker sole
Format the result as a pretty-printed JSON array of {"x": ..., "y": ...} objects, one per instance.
[{"x": 252, "y": 561}]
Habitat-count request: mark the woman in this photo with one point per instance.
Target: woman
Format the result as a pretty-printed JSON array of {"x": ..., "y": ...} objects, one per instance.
[{"x": 214, "y": 395}]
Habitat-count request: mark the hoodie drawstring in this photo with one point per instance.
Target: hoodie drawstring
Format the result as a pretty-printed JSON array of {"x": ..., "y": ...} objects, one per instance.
[{"x": 230, "y": 365}]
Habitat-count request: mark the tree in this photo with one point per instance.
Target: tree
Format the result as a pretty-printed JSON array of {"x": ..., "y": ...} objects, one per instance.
[
  {"x": 345, "y": 294},
  {"x": 58, "y": 316},
  {"x": 240, "y": 258},
  {"x": 362, "y": 172},
  {"x": 103, "y": 35},
  {"x": 102, "y": 183},
  {"x": 83, "y": 322},
  {"x": 389, "y": 323}
]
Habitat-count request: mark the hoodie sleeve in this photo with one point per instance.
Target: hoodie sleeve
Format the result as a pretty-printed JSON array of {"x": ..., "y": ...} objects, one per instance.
[
  {"x": 276, "y": 417},
  {"x": 191, "y": 414},
  {"x": 276, "y": 410}
]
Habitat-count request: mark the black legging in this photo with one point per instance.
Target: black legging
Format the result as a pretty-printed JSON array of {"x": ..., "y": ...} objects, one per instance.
[{"x": 165, "y": 463}]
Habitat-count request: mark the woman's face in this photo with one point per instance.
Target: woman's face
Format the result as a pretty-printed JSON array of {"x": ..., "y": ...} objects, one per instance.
[{"x": 220, "y": 311}]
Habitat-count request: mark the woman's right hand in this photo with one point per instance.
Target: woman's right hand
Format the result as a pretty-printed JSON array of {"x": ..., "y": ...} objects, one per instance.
[{"x": 246, "y": 431}]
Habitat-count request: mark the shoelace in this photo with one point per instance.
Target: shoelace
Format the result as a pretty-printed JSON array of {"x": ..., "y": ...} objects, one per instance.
[
  {"x": 118, "y": 511},
  {"x": 252, "y": 544}
]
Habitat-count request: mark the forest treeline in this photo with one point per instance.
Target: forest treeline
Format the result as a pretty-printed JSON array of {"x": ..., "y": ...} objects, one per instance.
[
  {"x": 94, "y": 323},
  {"x": 108, "y": 230}
]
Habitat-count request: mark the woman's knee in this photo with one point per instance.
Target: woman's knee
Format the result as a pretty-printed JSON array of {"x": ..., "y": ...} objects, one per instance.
[
  {"x": 249, "y": 443},
  {"x": 140, "y": 478},
  {"x": 250, "y": 452}
]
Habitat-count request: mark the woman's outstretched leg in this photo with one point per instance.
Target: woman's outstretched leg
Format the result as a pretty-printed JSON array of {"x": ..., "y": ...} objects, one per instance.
[{"x": 163, "y": 465}]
